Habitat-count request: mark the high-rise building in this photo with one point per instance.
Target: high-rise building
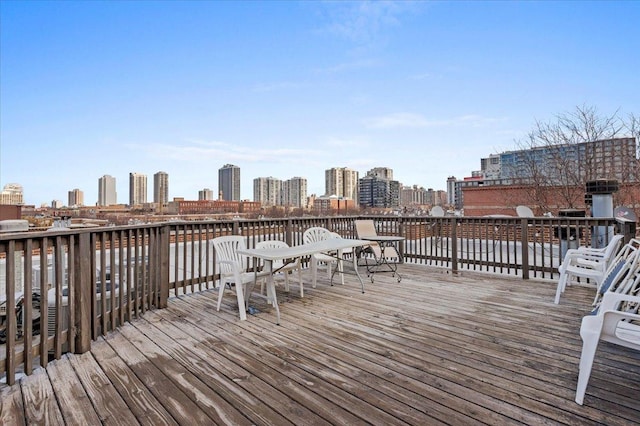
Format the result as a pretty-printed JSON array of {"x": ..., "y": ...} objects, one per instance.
[
  {"x": 12, "y": 194},
  {"x": 205, "y": 194},
  {"x": 452, "y": 195},
  {"x": 294, "y": 192},
  {"x": 378, "y": 192},
  {"x": 107, "y": 195},
  {"x": 76, "y": 198},
  {"x": 137, "y": 189},
  {"x": 229, "y": 182},
  {"x": 602, "y": 159},
  {"x": 161, "y": 188},
  {"x": 381, "y": 172},
  {"x": 341, "y": 182},
  {"x": 267, "y": 191},
  {"x": 414, "y": 196}
]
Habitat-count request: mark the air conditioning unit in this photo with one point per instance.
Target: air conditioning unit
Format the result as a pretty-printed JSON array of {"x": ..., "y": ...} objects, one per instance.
[{"x": 64, "y": 311}]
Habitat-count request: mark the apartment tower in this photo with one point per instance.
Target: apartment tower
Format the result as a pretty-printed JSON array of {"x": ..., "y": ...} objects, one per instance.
[
  {"x": 341, "y": 182},
  {"x": 107, "y": 191},
  {"x": 267, "y": 191},
  {"x": 161, "y": 188},
  {"x": 137, "y": 189},
  {"x": 294, "y": 192},
  {"x": 205, "y": 194},
  {"x": 76, "y": 198},
  {"x": 229, "y": 182},
  {"x": 12, "y": 194}
]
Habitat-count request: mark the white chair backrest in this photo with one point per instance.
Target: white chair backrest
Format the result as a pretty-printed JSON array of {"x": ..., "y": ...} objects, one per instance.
[
  {"x": 317, "y": 233},
  {"x": 344, "y": 251},
  {"x": 269, "y": 244},
  {"x": 226, "y": 249},
  {"x": 612, "y": 248},
  {"x": 365, "y": 228},
  {"x": 622, "y": 274}
]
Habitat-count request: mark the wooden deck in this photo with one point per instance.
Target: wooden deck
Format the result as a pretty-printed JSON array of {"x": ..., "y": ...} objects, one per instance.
[{"x": 433, "y": 349}]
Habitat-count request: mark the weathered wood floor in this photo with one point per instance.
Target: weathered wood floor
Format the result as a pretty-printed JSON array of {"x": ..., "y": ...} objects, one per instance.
[{"x": 433, "y": 349}]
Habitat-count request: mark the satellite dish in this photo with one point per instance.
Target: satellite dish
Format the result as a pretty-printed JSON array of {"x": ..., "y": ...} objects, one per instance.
[
  {"x": 437, "y": 211},
  {"x": 624, "y": 213},
  {"x": 524, "y": 211}
]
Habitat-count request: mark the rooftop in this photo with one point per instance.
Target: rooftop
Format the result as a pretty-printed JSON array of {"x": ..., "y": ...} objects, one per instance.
[{"x": 436, "y": 348}]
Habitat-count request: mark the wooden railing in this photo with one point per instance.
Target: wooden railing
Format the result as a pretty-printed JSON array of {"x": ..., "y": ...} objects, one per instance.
[{"x": 63, "y": 289}]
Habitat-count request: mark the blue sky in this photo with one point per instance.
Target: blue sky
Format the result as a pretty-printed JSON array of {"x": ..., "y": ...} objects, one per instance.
[{"x": 290, "y": 88}]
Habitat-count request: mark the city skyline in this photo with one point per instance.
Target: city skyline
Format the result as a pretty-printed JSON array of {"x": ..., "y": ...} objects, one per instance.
[{"x": 286, "y": 89}]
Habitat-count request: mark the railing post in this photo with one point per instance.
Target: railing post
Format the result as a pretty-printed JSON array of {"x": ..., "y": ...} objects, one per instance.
[
  {"x": 288, "y": 232},
  {"x": 454, "y": 244},
  {"x": 83, "y": 254},
  {"x": 627, "y": 228},
  {"x": 164, "y": 247},
  {"x": 401, "y": 234},
  {"x": 11, "y": 326},
  {"x": 524, "y": 225}
]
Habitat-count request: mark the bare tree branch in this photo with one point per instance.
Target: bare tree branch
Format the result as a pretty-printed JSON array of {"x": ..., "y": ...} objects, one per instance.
[{"x": 549, "y": 162}]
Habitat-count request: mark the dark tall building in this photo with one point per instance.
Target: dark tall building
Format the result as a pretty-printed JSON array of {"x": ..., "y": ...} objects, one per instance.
[
  {"x": 229, "y": 182},
  {"x": 378, "y": 193}
]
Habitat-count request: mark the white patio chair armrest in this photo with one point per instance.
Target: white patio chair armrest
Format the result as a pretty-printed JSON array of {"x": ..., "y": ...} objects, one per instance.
[
  {"x": 590, "y": 263},
  {"x": 611, "y": 301},
  {"x": 584, "y": 249},
  {"x": 577, "y": 256},
  {"x": 616, "y": 326},
  {"x": 230, "y": 262}
]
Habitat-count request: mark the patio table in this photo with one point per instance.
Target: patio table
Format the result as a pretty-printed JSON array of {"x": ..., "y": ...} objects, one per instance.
[{"x": 332, "y": 247}]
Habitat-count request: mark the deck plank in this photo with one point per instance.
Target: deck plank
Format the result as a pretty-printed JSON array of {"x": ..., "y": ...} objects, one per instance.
[
  {"x": 173, "y": 398},
  {"x": 111, "y": 408},
  {"x": 77, "y": 407},
  {"x": 11, "y": 406},
  {"x": 144, "y": 406},
  {"x": 193, "y": 382},
  {"x": 40, "y": 405},
  {"x": 436, "y": 348},
  {"x": 305, "y": 386}
]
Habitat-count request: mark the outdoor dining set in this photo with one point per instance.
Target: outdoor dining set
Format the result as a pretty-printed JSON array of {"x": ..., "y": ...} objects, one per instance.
[{"x": 243, "y": 267}]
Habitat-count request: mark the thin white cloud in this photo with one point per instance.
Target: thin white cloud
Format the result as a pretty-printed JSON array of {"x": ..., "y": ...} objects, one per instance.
[
  {"x": 344, "y": 143},
  {"x": 422, "y": 76},
  {"x": 363, "y": 22},
  {"x": 273, "y": 87},
  {"x": 203, "y": 151},
  {"x": 401, "y": 119},
  {"x": 348, "y": 66},
  {"x": 412, "y": 120}
]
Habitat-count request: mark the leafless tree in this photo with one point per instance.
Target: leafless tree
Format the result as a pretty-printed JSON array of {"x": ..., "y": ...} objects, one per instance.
[{"x": 551, "y": 165}]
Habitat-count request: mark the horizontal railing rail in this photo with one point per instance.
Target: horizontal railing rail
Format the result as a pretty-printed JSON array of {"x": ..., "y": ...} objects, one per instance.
[{"x": 59, "y": 290}]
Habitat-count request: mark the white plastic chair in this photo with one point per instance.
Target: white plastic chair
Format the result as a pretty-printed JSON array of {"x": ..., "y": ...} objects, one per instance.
[
  {"x": 587, "y": 263},
  {"x": 623, "y": 274},
  {"x": 233, "y": 269},
  {"x": 318, "y": 233},
  {"x": 617, "y": 322},
  {"x": 280, "y": 267}
]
